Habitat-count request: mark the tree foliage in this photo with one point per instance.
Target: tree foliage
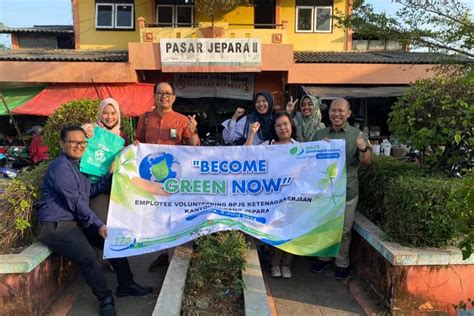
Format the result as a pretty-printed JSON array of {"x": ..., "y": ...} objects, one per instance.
[
  {"x": 436, "y": 116},
  {"x": 442, "y": 25}
]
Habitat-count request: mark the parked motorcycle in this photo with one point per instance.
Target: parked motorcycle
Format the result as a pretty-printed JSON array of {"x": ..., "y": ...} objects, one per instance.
[
  {"x": 18, "y": 157},
  {"x": 6, "y": 172}
]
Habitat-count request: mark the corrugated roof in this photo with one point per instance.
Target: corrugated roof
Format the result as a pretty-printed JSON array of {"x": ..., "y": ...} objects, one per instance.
[
  {"x": 63, "y": 55},
  {"x": 61, "y": 29},
  {"x": 379, "y": 57}
]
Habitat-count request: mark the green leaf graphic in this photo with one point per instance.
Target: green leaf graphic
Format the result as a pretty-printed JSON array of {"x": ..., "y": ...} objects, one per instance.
[
  {"x": 130, "y": 166},
  {"x": 294, "y": 150},
  {"x": 120, "y": 184},
  {"x": 325, "y": 181},
  {"x": 331, "y": 171},
  {"x": 129, "y": 154},
  {"x": 160, "y": 170}
]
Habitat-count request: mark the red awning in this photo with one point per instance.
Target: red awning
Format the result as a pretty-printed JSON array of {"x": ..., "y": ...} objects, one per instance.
[{"x": 134, "y": 98}]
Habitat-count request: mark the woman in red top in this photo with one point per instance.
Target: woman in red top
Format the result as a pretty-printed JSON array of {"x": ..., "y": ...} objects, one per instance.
[{"x": 38, "y": 152}]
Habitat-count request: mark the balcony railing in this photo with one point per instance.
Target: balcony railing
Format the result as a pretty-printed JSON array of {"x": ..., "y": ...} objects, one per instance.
[
  {"x": 195, "y": 25},
  {"x": 268, "y": 33}
]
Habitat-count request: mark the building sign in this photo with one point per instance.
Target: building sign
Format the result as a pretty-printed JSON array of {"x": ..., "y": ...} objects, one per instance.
[
  {"x": 288, "y": 196},
  {"x": 231, "y": 53},
  {"x": 214, "y": 85}
]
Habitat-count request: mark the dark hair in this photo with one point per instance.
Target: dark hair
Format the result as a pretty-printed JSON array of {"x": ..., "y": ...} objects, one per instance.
[
  {"x": 168, "y": 82},
  {"x": 268, "y": 96},
  {"x": 292, "y": 123},
  {"x": 71, "y": 128}
]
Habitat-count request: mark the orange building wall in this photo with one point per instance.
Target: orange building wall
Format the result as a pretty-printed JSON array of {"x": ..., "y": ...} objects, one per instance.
[
  {"x": 358, "y": 73},
  {"x": 48, "y": 71}
]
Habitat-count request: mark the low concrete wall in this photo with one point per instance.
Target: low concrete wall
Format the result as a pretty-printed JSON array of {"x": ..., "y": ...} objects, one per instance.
[
  {"x": 171, "y": 294},
  {"x": 411, "y": 280},
  {"x": 32, "y": 280}
]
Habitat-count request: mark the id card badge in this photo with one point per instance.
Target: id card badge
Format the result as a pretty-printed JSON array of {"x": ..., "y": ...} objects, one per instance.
[{"x": 173, "y": 133}]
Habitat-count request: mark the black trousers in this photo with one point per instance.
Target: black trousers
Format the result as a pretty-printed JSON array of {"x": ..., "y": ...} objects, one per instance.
[{"x": 67, "y": 239}]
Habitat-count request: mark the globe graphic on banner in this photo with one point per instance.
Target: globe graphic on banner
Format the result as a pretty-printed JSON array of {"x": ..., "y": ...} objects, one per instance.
[{"x": 159, "y": 167}]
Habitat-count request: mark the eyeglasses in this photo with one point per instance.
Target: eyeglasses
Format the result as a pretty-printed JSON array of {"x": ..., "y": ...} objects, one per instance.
[
  {"x": 76, "y": 143},
  {"x": 164, "y": 94}
]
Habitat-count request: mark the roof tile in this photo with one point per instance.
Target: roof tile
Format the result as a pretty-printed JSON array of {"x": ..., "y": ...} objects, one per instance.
[
  {"x": 63, "y": 55},
  {"x": 379, "y": 57}
]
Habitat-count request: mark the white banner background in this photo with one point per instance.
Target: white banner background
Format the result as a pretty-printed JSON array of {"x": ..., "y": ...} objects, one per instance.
[{"x": 302, "y": 215}]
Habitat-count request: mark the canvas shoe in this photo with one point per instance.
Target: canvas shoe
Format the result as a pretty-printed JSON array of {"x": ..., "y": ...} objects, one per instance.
[
  {"x": 320, "y": 265},
  {"x": 341, "y": 273},
  {"x": 276, "y": 272},
  {"x": 285, "y": 272}
]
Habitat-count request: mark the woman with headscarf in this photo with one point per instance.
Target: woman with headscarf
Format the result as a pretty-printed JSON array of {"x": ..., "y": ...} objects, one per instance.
[
  {"x": 236, "y": 131},
  {"x": 307, "y": 119},
  {"x": 108, "y": 118}
]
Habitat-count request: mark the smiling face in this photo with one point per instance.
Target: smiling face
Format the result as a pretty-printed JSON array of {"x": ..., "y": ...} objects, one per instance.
[
  {"x": 339, "y": 112},
  {"x": 109, "y": 116},
  {"x": 283, "y": 129},
  {"x": 164, "y": 97},
  {"x": 74, "y": 144},
  {"x": 307, "y": 107},
  {"x": 261, "y": 104}
]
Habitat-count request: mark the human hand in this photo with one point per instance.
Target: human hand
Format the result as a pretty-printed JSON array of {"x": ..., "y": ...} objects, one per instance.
[
  {"x": 360, "y": 142},
  {"x": 89, "y": 129},
  {"x": 192, "y": 124},
  {"x": 254, "y": 127},
  {"x": 135, "y": 142},
  {"x": 290, "y": 106},
  {"x": 238, "y": 113},
  {"x": 103, "y": 231}
]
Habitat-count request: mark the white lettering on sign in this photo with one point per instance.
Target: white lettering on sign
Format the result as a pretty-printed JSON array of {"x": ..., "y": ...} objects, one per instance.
[{"x": 215, "y": 51}]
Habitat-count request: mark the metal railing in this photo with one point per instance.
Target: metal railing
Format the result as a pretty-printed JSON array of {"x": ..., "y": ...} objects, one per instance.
[{"x": 194, "y": 25}]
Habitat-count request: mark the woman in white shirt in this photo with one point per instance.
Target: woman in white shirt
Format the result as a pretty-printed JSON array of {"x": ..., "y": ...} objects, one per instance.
[
  {"x": 284, "y": 128},
  {"x": 236, "y": 131}
]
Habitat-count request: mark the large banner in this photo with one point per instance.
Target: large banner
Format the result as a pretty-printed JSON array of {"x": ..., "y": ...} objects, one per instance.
[{"x": 289, "y": 196}]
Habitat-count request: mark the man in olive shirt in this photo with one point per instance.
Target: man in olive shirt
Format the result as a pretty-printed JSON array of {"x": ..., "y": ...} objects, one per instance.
[{"x": 358, "y": 152}]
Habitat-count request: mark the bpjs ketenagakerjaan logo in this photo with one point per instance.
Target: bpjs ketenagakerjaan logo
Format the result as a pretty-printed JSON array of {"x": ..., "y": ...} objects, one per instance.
[{"x": 308, "y": 151}]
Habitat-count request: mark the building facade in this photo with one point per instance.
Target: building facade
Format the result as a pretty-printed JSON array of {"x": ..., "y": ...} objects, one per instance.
[{"x": 219, "y": 60}]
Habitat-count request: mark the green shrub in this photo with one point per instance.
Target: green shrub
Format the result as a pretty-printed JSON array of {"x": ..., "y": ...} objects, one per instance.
[
  {"x": 214, "y": 283},
  {"x": 219, "y": 260},
  {"x": 419, "y": 212},
  {"x": 76, "y": 112},
  {"x": 17, "y": 208},
  {"x": 464, "y": 200},
  {"x": 374, "y": 180},
  {"x": 436, "y": 116}
]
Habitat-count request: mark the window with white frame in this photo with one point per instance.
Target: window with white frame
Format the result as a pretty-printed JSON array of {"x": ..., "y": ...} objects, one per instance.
[
  {"x": 323, "y": 19},
  {"x": 175, "y": 13},
  {"x": 114, "y": 14},
  {"x": 314, "y": 16}
]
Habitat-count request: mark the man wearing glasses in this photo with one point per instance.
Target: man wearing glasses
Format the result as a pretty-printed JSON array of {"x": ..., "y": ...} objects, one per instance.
[
  {"x": 165, "y": 126},
  {"x": 70, "y": 228}
]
